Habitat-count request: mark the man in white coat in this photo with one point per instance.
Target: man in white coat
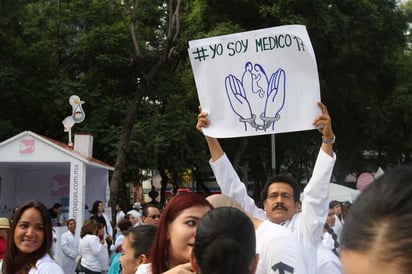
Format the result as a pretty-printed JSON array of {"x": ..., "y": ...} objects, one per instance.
[
  {"x": 281, "y": 194},
  {"x": 69, "y": 245}
]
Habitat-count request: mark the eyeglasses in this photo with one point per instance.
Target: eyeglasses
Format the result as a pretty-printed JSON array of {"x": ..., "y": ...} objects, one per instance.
[
  {"x": 275, "y": 195},
  {"x": 154, "y": 216}
]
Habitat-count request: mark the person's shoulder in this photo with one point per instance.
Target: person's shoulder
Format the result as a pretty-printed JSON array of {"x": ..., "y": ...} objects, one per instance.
[
  {"x": 90, "y": 236},
  {"x": 66, "y": 233},
  {"x": 46, "y": 265}
]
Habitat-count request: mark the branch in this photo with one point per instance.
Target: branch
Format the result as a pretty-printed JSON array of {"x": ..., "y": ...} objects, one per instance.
[
  {"x": 176, "y": 20},
  {"x": 133, "y": 10},
  {"x": 173, "y": 28}
]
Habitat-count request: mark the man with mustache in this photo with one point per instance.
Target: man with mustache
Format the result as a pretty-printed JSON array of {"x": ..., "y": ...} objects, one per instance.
[{"x": 281, "y": 193}]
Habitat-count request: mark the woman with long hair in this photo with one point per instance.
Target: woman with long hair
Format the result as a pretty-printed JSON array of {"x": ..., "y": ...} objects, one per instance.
[
  {"x": 175, "y": 234},
  {"x": 30, "y": 241},
  {"x": 99, "y": 216}
]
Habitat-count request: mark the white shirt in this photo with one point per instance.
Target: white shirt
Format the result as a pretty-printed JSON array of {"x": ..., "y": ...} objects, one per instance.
[
  {"x": 327, "y": 241},
  {"x": 278, "y": 249},
  {"x": 69, "y": 245},
  {"x": 328, "y": 262},
  {"x": 90, "y": 249},
  {"x": 144, "y": 269},
  {"x": 338, "y": 226},
  {"x": 120, "y": 216},
  {"x": 46, "y": 265},
  {"x": 108, "y": 226},
  {"x": 308, "y": 224},
  {"x": 118, "y": 243},
  {"x": 104, "y": 257}
]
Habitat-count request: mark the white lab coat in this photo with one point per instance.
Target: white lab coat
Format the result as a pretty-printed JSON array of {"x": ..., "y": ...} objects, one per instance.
[
  {"x": 308, "y": 224},
  {"x": 328, "y": 262},
  {"x": 69, "y": 245}
]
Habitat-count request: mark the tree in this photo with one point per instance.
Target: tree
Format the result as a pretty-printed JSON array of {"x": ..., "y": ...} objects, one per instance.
[
  {"x": 128, "y": 61},
  {"x": 168, "y": 36}
]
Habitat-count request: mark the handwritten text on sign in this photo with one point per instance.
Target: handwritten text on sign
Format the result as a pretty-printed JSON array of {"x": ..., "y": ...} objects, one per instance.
[{"x": 241, "y": 46}]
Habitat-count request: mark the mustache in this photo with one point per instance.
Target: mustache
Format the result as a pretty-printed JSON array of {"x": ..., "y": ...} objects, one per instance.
[{"x": 279, "y": 207}]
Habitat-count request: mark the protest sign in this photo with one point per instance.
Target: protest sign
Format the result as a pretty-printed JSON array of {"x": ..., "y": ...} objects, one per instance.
[{"x": 257, "y": 82}]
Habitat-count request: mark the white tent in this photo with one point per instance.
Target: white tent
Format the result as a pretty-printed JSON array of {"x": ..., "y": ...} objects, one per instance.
[
  {"x": 33, "y": 166},
  {"x": 342, "y": 193}
]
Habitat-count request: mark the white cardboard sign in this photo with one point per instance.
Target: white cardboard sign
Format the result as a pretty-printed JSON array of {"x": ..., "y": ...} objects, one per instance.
[{"x": 257, "y": 82}]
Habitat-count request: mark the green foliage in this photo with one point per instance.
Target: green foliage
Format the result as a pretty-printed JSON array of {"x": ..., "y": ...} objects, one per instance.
[{"x": 50, "y": 50}]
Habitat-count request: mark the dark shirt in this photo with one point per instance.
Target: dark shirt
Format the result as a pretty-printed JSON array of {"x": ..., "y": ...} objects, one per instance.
[{"x": 52, "y": 213}]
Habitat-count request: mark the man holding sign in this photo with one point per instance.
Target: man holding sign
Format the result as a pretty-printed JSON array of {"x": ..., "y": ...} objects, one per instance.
[{"x": 281, "y": 193}]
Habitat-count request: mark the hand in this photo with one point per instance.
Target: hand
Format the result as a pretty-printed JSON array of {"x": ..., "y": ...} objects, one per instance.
[
  {"x": 276, "y": 94},
  {"x": 202, "y": 120},
  {"x": 180, "y": 269},
  {"x": 237, "y": 97},
  {"x": 323, "y": 123},
  {"x": 215, "y": 149}
]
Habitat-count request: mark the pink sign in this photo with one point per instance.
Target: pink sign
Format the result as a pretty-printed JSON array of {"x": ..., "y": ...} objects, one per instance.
[
  {"x": 26, "y": 146},
  {"x": 364, "y": 180}
]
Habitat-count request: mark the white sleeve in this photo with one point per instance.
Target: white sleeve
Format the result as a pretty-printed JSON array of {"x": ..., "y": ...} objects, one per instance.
[
  {"x": 108, "y": 225},
  {"x": 230, "y": 185},
  {"x": 327, "y": 262},
  {"x": 117, "y": 243},
  {"x": 315, "y": 204},
  {"x": 95, "y": 245}
]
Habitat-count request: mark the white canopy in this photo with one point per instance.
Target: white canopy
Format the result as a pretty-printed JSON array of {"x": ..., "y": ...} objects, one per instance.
[{"x": 342, "y": 193}]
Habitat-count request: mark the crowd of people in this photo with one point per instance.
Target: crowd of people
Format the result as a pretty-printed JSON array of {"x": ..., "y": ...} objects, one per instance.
[{"x": 227, "y": 233}]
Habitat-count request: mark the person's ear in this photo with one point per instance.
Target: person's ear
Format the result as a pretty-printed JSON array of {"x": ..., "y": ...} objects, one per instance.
[
  {"x": 264, "y": 205},
  {"x": 193, "y": 263},
  {"x": 253, "y": 264},
  {"x": 145, "y": 260}
]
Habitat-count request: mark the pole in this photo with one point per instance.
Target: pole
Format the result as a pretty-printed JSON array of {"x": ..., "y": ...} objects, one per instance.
[{"x": 272, "y": 138}]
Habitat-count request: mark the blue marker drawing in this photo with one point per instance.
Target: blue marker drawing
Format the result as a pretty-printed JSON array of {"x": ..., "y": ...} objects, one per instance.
[{"x": 267, "y": 95}]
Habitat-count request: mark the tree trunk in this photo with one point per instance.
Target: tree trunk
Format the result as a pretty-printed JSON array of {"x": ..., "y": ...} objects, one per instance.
[
  {"x": 123, "y": 146},
  {"x": 239, "y": 152},
  {"x": 172, "y": 36}
]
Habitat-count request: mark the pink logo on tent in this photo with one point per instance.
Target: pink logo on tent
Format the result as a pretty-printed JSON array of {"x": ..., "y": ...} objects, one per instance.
[
  {"x": 60, "y": 185},
  {"x": 26, "y": 146}
]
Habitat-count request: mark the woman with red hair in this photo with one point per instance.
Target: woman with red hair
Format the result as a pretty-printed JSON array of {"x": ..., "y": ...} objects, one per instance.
[{"x": 175, "y": 234}]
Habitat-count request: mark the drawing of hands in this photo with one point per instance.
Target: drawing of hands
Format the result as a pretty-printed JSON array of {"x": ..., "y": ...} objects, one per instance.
[
  {"x": 275, "y": 95},
  {"x": 237, "y": 97}
]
